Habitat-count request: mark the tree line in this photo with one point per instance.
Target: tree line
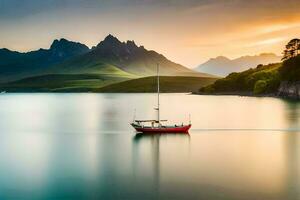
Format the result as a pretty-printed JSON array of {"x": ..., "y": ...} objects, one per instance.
[{"x": 292, "y": 49}]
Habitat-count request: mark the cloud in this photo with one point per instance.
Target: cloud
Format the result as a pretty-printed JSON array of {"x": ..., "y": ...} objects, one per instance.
[
  {"x": 187, "y": 31},
  {"x": 267, "y": 42}
]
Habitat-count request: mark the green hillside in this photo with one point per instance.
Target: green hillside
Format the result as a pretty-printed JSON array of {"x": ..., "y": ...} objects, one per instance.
[
  {"x": 81, "y": 65},
  {"x": 263, "y": 79},
  {"x": 167, "y": 84},
  {"x": 280, "y": 79},
  {"x": 104, "y": 83},
  {"x": 62, "y": 83}
]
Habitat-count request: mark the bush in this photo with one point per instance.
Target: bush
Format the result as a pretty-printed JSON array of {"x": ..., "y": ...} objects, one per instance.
[
  {"x": 260, "y": 87},
  {"x": 207, "y": 89}
]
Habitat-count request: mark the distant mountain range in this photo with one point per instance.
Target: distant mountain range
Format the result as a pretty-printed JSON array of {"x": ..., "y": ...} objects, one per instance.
[
  {"x": 15, "y": 65},
  {"x": 72, "y": 66},
  {"x": 110, "y": 56},
  {"x": 222, "y": 66}
]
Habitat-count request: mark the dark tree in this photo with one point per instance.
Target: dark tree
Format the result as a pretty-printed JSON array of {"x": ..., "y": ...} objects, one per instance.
[
  {"x": 290, "y": 70},
  {"x": 292, "y": 49}
]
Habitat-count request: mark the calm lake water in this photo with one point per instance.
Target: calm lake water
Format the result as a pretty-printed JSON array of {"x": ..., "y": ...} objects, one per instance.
[{"x": 56, "y": 146}]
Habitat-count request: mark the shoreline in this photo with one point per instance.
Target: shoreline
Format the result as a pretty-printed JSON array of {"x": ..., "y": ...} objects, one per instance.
[
  {"x": 248, "y": 94},
  {"x": 240, "y": 94}
]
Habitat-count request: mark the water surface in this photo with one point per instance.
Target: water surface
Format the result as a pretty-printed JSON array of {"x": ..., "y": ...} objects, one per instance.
[{"x": 56, "y": 146}]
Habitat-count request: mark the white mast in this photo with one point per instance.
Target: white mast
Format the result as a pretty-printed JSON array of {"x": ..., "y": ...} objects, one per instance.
[{"x": 158, "y": 114}]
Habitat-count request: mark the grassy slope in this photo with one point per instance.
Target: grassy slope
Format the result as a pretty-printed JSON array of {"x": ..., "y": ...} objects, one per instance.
[
  {"x": 70, "y": 66},
  {"x": 83, "y": 65},
  {"x": 62, "y": 83},
  {"x": 91, "y": 76},
  {"x": 147, "y": 66},
  {"x": 141, "y": 63},
  {"x": 66, "y": 78},
  {"x": 167, "y": 84},
  {"x": 261, "y": 80},
  {"x": 104, "y": 83}
]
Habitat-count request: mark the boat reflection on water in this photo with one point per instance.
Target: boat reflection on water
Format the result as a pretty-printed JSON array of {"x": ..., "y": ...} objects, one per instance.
[
  {"x": 140, "y": 136},
  {"x": 156, "y": 143}
]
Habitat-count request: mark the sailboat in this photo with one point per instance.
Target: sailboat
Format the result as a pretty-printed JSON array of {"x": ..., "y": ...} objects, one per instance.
[{"x": 156, "y": 125}]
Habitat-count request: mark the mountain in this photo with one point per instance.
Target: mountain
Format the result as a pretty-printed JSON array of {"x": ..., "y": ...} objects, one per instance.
[
  {"x": 63, "y": 49},
  {"x": 112, "y": 54},
  {"x": 71, "y": 66},
  {"x": 15, "y": 65},
  {"x": 223, "y": 66}
]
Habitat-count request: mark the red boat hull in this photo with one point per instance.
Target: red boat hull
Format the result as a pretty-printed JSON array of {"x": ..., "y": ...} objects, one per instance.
[{"x": 179, "y": 129}]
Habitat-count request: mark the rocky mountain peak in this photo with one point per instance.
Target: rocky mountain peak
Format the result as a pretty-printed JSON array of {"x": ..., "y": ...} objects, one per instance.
[
  {"x": 66, "y": 44},
  {"x": 110, "y": 40}
]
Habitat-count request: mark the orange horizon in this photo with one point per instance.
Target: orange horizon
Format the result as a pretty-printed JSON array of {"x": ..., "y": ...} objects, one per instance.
[{"x": 187, "y": 33}]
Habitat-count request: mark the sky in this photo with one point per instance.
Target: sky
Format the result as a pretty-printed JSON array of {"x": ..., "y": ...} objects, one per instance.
[{"x": 186, "y": 31}]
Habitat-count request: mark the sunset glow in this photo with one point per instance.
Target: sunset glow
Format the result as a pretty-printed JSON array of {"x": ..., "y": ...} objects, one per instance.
[{"x": 188, "y": 32}]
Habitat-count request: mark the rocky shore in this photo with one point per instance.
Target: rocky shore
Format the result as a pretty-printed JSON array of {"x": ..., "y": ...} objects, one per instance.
[{"x": 290, "y": 90}]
